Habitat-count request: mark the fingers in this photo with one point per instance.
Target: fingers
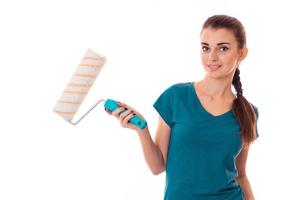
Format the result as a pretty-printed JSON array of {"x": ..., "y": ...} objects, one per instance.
[
  {"x": 123, "y": 117},
  {"x": 125, "y": 120},
  {"x": 129, "y": 108},
  {"x": 124, "y": 105},
  {"x": 115, "y": 112},
  {"x": 124, "y": 113},
  {"x": 118, "y": 111},
  {"x": 107, "y": 111}
]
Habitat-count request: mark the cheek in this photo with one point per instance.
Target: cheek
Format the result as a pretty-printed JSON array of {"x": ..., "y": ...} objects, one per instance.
[{"x": 230, "y": 59}]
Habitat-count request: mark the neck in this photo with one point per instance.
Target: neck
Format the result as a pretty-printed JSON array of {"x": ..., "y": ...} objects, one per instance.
[{"x": 217, "y": 89}]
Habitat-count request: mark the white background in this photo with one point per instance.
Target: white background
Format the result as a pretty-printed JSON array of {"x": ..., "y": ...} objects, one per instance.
[{"x": 149, "y": 45}]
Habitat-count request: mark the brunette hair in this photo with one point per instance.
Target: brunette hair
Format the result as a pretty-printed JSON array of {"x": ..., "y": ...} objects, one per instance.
[{"x": 245, "y": 112}]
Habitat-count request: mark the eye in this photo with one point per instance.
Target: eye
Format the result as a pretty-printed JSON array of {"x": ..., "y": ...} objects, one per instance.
[
  {"x": 205, "y": 48},
  {"x": 223, "y": 49}
]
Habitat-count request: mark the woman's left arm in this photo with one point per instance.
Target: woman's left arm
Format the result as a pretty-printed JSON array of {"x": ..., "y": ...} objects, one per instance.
[{"x": 242, "y": 178}]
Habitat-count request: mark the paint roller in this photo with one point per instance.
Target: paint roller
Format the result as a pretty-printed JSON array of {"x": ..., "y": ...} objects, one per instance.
[{"x": 79, "y": 86}]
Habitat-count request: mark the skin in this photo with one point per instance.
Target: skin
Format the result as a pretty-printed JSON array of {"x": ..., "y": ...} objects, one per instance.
[{"x": 218, "y": 47}]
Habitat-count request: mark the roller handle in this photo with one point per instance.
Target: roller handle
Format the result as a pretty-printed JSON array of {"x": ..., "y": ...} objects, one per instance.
[{"x": 112, "y": 105}]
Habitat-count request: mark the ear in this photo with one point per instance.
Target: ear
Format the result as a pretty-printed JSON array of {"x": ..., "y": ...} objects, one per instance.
[{"x": 243, "y": 53}]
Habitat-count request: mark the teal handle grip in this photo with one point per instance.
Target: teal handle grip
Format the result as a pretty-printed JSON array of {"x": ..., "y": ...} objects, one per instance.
[{"x": 112, "y": 105}]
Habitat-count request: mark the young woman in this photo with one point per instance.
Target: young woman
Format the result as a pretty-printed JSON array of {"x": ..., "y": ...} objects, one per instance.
[{"x": 205, "y": 129}]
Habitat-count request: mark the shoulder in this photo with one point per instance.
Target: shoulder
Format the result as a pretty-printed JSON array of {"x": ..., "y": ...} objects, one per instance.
[
  {"x": 179, "y": 86},
  {"x": 175, "y": 90}
]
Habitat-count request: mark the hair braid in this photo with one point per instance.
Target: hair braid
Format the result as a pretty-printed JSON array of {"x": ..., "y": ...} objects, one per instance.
[
  {"x": 242, "y": 104},
  {"x": 237, "y": 83}
]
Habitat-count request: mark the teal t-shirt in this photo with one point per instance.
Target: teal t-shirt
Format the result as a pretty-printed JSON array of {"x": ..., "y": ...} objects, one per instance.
[{"x": 202, "y": 148}]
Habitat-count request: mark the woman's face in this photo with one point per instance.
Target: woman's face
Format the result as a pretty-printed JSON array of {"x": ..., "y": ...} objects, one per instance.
[{"x": 220, "y": 54}]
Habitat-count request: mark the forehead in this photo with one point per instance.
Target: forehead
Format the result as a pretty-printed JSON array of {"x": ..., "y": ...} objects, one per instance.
[{"x": 217, "y": 35}]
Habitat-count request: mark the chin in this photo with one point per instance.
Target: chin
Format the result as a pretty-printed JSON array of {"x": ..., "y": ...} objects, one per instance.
[{"x": 221, "y": 75}]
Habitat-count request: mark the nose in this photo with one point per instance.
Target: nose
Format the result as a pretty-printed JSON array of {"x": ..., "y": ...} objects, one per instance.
[{"x": 213, "y": 56}]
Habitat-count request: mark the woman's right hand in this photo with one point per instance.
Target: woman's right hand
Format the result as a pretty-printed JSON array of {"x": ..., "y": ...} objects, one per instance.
[{"x": 125, "y": 116}]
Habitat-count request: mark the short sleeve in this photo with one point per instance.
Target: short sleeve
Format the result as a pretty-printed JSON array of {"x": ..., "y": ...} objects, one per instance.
[
  {"x": 163, "y": 106},
  {"x": 256, "y": 112}
]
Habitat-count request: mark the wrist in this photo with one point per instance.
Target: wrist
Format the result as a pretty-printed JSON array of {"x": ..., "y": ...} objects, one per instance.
[{"x": 143, "y": 131}]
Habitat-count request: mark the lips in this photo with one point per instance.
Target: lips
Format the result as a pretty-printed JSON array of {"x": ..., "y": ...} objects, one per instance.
[{"x": 214, "y": 67}]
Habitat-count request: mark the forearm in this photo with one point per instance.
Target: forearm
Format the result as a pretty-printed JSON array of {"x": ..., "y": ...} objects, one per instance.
[
  {"x": 152, "y": 153},
  {"x": 245, "y": 185}
]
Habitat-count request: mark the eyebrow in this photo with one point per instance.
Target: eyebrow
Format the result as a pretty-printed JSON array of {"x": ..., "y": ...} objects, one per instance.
[{"x": 221, "y": 43}]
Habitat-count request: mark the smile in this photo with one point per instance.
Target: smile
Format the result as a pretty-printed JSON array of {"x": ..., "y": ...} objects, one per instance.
[{"x": 214, "y": 67}]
